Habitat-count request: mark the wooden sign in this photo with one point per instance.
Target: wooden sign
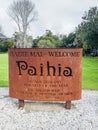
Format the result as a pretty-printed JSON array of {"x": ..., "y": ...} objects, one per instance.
[{"x": 45, "y": 74}]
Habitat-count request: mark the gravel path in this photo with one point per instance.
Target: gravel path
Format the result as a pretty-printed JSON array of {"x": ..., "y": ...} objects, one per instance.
[{"x": 49, "y": 116}]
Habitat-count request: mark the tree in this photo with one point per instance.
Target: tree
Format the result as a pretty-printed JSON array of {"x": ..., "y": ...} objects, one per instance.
[
  {"x": 5, "y": 44},
  {"x": 66, "y": 41},
  {"x": 23, "y": 13},
  {"x": 88, "y": 29},
  {"x": 49, "y": 40},
  {"x": 62, "y": 41},
  {"x": 70, "y": 39}
]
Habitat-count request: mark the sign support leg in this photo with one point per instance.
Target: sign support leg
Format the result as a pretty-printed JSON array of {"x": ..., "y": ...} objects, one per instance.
[
  {"x": 21, "y": 103},
  {"x": 68, "y": 105}
]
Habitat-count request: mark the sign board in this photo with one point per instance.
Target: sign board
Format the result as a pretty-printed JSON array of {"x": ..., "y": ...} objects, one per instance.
[{"x": 45, "y": 74}]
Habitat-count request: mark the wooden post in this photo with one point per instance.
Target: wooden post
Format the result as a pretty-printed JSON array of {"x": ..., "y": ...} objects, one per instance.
[
  {"x": 68, "y": 105},
  {"x": 21, "y": 103}
]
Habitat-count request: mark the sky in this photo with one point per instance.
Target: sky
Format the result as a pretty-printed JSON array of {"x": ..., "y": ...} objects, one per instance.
[{"x": 59, "y": 16}]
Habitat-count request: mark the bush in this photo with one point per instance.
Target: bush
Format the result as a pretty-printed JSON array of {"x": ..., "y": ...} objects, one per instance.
[{"x": 5, "y": 44}]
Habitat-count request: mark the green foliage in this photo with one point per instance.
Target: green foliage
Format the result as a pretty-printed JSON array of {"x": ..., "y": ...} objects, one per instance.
[
  {"x": 49, "y": 40},
  {"x": 46, "y": 41},
  {"x": 88, "y": 29},
  {"x": 5, "y": 44},
  {"x": 66, "y": 41},
  {"x": 62, "y": 41},
  {"x": 9, "y": 44}
]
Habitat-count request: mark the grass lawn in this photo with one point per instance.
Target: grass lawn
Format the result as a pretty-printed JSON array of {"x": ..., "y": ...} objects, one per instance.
[
  {"x": 3, "y": 69},
  {"x": 90, "y": 72}
]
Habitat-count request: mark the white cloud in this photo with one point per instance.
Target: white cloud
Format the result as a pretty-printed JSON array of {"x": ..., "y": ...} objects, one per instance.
[{"x": 60, "y": 16}]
